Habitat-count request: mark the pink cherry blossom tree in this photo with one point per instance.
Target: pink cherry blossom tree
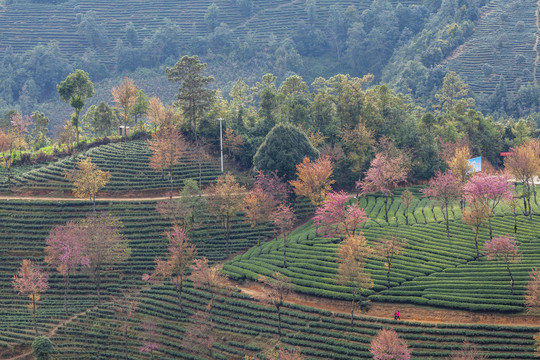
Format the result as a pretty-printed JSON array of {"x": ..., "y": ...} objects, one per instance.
[
  {"x": 179, "y": 259},
  {"x": 150, "y": 337},
  {"x": 271, "y": 183},
  {"x": 505, "y": 249},
  {"x": 31, "y": 281},
  {"x": 199, "y": 334},
  {"x": 532, "y": 292},
  {"x": 125, "y": 306},
  {"x": 489, "y": 190},
  {"x": 21, "y": 123},
  {"x": 445, "y": 188},
  {"x": 387, "y": 345},
  {"x": 66, "y": 251},
  {"x": 355, "y": 217},
  {"x": 335, "y": 217},
  {"x": 104, "y": 245},
  {"x": 469, "y": 351},
  {"x": 385, "y": 173}
]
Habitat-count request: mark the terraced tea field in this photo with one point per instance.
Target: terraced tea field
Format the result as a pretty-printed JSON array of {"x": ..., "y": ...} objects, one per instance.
[
  {"x": 434, "y": 270},
  {"x": 22, "y": 26},
  {"x": 504, "y": 39},
  {"x": 26, "y": 224},
  {"x": 128, "y": 163},
  {"x": 247, "y": 327}
]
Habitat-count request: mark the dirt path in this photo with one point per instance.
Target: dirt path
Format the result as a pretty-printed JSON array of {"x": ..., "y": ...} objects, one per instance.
[
  {"x": 408, "y": 312},
  {"x": 125, "y": 197},
  {"x": 52, "y": 332},
  {"x": 48, "y": 198}
]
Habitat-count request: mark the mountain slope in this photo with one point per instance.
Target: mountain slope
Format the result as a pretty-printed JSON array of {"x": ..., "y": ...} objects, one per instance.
[{"x": 503, "y": 43}]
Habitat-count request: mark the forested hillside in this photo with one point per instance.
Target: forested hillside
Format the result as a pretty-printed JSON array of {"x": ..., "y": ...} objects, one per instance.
[
  {"x": 408, "y": 44},
  {"x": 501, "y": 56}
]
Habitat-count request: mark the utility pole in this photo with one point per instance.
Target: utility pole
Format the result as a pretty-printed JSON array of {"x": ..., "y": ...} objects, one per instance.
[{"x": 221, "y": 141}]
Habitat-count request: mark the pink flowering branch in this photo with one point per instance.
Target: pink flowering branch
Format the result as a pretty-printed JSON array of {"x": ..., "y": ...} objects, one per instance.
[
  {"x": 445, "y": 188},
  {"x": 503, "y": 248},
  {"x": 67, "y": 252},
  {"x": 532, "y": 292},
  {"x": 387, "y": 345},
  {"x": 335, "y": 218},
  {"x": 489, "y": 190},
  {"x": 150, "y": 336},
  {"x": 385, "y": 174}
]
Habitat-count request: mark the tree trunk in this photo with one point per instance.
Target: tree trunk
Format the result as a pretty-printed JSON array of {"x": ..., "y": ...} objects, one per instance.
[
  {"x": 66, "y": 285},
  {"x": 511, "y": 278},
  {"x": 77, "y": 131},
  {"x": 515, "y": 223},
  {"x": 279, "y": 320},
  {"x": 94, "y": 204},
  {"x": 227, "y": 231},
  {"x": 179, "y": 285},
  {"x": 530, "y": 208},
  {"x": 125, "y": 123},
  {"x": 360, "y": 298},
  {"x": 524, "y": 206},
  {"x": 9, "y": 177},
  {"x": 386, "y": 208},
  {"x": 447, "y": 223},
  {"x": 211, "y": 307},
  {"x": 34, "y": 312},
  {"x": 406, "y": 217},
  {"x": 476, "y": 243},
  {"x": 97, "y": 279},
  {"x": 527, "y": 197},
  {"x": 259, "y": 240},
  {"x": 197, "y": 146},
  {"x": 284, "y": 252},
  {"x": 353, "y": 304},
  {"x": 490, "y": 229},
  {"x": 171, "y": 178},
  {"x": 388, "y": 272},
  {"x": 534, "y": 191}
]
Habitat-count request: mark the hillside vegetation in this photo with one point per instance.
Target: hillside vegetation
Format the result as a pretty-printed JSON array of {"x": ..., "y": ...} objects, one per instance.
[
  {"x": 503, "y": 44},
  {"x": 346, "y": 110},
  {"x": 244, "y": 325},
  {"x": 408, "y": 44}
]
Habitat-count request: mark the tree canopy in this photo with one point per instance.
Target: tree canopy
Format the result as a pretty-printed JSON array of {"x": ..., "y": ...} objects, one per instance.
[{"x": 284, "y": 147}]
